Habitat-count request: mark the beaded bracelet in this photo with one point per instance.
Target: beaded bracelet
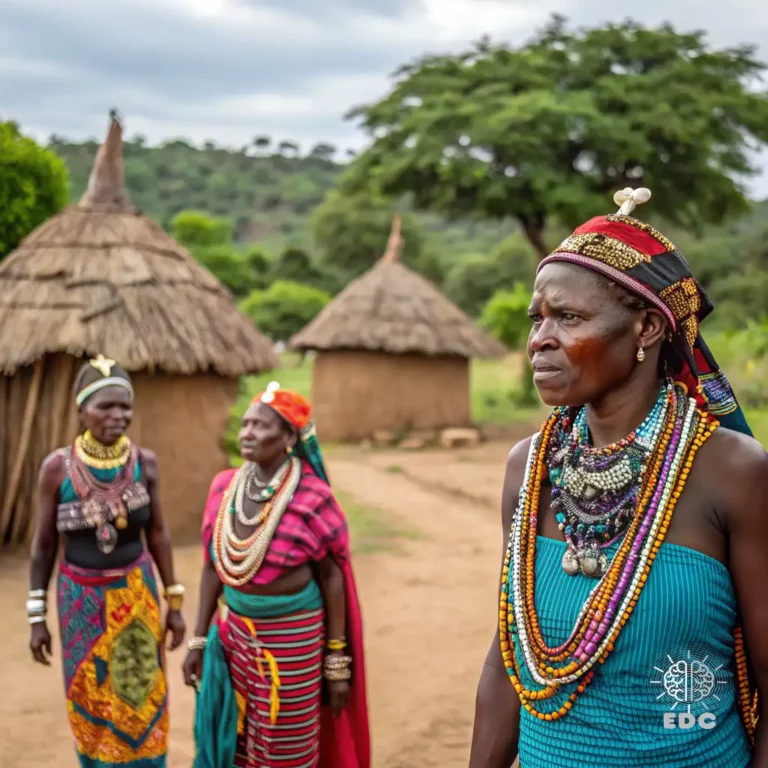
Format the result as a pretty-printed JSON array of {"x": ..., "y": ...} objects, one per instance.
[
  {"x": 336, "y": 645},
  {"x": 197, "y": 643},
  {"x": 337, "y": 667}
]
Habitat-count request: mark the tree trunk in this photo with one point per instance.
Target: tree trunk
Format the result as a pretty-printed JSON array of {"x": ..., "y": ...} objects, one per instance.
[{"x": 533, "y": 226}]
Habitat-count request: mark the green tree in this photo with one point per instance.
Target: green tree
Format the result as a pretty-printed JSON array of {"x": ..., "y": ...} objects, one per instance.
[
  {"x": 196, "y": 229},
  {"x": 284, "y": 308},
  {"x": 551, "y": 129},
  {"x": 506, "y": 317},
  {"x": 350, "y": 233},
  {"x": 228, "y": 266},
  {"x": 33, "y": 186}
]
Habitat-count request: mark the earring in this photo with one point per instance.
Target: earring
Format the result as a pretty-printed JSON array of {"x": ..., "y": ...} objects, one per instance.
[
  {"x": 640, "y": 355},
  {"x": 288, "y": 449}
]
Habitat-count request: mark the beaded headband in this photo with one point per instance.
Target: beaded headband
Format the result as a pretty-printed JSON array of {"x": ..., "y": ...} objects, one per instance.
[{"x": 110, "y": 381}]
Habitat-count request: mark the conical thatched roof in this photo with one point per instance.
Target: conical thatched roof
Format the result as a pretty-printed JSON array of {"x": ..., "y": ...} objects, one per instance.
[
  {"x": 100, "y": 277},
  {"x": 392, "y": 309}
]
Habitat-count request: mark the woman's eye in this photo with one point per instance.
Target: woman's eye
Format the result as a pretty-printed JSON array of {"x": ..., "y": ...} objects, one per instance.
[
  {"x": 569, "y": 317},
  {"x": 534, "y": 317}
]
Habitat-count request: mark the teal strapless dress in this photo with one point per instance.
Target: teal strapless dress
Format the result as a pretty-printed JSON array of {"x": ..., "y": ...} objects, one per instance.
[{"x": 666, "y": 697}]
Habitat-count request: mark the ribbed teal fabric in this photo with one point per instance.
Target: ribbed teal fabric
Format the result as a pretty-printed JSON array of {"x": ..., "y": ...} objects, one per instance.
[
  {"x": 269, "y": 606},
  {"x": 684, "y": 617}
]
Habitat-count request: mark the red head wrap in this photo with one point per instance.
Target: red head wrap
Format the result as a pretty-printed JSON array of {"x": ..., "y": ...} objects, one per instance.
[{"x": 292, "y": 406}]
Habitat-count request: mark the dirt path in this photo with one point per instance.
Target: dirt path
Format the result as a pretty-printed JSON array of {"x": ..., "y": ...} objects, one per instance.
[{"x": 428, "y": 608}]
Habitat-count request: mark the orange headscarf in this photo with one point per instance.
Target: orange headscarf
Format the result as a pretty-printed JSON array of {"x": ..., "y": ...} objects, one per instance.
[{"x": 292, "y": 406}]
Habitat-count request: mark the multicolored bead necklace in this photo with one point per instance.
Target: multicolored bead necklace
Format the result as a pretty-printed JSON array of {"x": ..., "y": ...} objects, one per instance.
[
  {"x": 259, "y": 491},
  {"x": 238, "y": 560},
  {"x": 595, "y": 490},
  {"x": 610, "y": 604}
]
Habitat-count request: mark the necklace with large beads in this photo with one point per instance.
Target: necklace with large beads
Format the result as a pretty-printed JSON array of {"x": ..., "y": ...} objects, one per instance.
[
  {"x": 237, "y": 560},
  {"x": 595, "y": 490},
  {"x": 562, "y": 673},
  {"x": 99, "y": 456}
]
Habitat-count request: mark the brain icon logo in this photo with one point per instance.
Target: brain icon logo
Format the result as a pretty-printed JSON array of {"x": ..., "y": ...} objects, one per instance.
[{"x": 689, "y": 682}]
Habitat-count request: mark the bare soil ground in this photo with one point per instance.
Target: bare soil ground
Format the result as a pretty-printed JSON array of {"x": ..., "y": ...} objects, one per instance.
[{"x": 428, "y": 608}]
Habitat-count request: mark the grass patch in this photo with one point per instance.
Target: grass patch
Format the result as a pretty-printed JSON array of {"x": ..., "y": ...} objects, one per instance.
[
  {"x": 394, "y": 469},
  {"x": 371, "y": 531}
]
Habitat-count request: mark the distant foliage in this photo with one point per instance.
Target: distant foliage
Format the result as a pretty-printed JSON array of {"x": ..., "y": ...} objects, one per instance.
[
  {"x": 284, "y": 308},
  {"x": 196, "y": 229},
  {"x": 506, "y": 317},
  {"x": 550, "y": 129},
  {"x": 33, "y": 186}
]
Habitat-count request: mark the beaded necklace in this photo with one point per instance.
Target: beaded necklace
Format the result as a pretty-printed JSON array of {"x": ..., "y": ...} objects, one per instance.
[
  {"x": 238, "y": 560},
  {"x": 611, "y": 602},
  {"x": 99, "y": 456},
  {"x": 595, "y": 490}
]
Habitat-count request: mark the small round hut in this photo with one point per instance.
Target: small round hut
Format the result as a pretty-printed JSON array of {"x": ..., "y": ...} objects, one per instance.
[
  {"x": 101, "y": 278},
  {"x": 393, "y": 354}
]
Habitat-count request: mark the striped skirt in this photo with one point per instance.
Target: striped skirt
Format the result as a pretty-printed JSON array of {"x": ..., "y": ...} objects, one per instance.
[{"x": 276, "y": 670}]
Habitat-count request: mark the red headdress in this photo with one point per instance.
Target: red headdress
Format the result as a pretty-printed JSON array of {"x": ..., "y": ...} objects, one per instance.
[{"x": 638, "y": 257}]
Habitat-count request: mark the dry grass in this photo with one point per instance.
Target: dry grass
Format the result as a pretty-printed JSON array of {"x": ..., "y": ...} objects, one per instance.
[{"x": 100, "y": 277}]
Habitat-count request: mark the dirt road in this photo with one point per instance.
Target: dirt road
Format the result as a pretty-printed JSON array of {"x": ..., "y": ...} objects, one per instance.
[{"x": 428, "y": 608}]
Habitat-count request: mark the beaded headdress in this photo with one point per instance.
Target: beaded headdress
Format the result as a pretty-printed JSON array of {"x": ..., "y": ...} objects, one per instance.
[
  {"x": 99, "y": 373},
  {"x": 639, "y": 258},
  {"x": 296, "y": 410}
]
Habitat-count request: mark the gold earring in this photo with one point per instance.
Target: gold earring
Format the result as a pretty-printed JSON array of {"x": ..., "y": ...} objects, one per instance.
[
  {"x": 640, "y": 355},
  {"x": 288, "y": 449}
]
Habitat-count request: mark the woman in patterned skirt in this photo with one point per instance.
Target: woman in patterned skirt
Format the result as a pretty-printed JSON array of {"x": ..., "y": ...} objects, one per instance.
[
  {"x": 280, "y": 672},
  {"x": 100, "y": 495}
]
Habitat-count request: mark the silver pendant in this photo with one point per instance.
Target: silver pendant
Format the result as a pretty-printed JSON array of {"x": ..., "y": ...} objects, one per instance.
[
  {"x": 106, "y": 537},
  {"x": 593, "y": 563},
  {"x": 570, "y": 562}
]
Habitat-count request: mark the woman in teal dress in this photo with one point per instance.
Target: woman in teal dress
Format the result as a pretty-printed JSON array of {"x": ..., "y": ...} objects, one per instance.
[
  {"x": 632, "y": 624},
  {"x": 100, "y": 496}
]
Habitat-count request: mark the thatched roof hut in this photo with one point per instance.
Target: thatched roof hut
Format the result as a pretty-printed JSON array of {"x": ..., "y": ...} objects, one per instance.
[
  {"x": 393, "y": 354},
  {"x": 101, "y": 278}
]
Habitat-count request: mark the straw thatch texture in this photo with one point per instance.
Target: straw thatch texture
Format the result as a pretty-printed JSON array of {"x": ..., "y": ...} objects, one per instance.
[
  {"x": 356, "y": 393},
  {"x": 101, "y": 277},
  {"x": 392, "y": 309}
]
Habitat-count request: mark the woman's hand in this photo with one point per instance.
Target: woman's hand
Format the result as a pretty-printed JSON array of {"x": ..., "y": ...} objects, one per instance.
[
  {"x": 40, "y": 644},
  {"x": 193, "y": 668},
  {"x": 175, "y": 626},
  {"x": 338, "y": 693}
]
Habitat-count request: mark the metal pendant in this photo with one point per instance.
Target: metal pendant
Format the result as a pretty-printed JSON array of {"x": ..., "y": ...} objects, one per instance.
[
  {"x": 593, "y": 563},
  {"x": 106, "y": 537},
  {"x": 570, "y": 562}
]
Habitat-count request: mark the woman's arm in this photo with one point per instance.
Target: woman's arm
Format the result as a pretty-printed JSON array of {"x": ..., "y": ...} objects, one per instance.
[
  {"x": 331, "y": 580},
  {"x": 743, "y": 475},
  {"x": 210, "y": 590},
  {"x": 45, "y": 546},
  {"x": 159, "y": 543},
  {"x": 497, "y": 707}
]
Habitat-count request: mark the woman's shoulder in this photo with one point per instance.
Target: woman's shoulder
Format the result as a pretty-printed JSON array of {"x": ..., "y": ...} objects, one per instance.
[
  {"x": 221, "y": 481},
  {"x": 312, "y": 490},
  {"x": 733, "y": 468},
  {"x": 54, "y": 466}
]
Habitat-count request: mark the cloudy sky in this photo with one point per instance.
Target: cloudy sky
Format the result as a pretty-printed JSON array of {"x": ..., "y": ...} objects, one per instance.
[{"x": 229, "y": 70}]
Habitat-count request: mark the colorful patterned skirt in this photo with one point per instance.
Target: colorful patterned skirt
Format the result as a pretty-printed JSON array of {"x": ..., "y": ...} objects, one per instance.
[
  {"x": 112, "y": 641},
  {"x": 259, "y": 705}
]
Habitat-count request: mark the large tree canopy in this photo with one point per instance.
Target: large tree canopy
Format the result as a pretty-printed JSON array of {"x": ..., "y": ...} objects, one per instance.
[
  {"x": 33, "y": 186},
  {"x": 551, "y": 129}
]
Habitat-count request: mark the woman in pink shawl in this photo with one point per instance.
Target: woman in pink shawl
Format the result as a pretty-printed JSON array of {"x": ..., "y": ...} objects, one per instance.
[{"x": 280, "y": 672}]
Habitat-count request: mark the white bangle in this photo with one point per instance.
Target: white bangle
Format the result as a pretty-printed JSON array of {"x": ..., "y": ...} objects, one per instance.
[
  {"x": 36, "y": 619},
  {"x": 197, "y": 643},
  {"x": 35, "y": 607}
]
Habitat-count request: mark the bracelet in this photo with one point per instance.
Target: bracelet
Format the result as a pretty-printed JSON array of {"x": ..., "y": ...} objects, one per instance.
[
  {"x": 336, "y": 645},
  {"x": 337, "y": 667},
  {"x": 36, "y": 607},
  {"x": 37, "y": 593},
  {"x": 197, "y": 643},
  {"x": 174, "y": 594},
  {"x": 36, "y": 619}
]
